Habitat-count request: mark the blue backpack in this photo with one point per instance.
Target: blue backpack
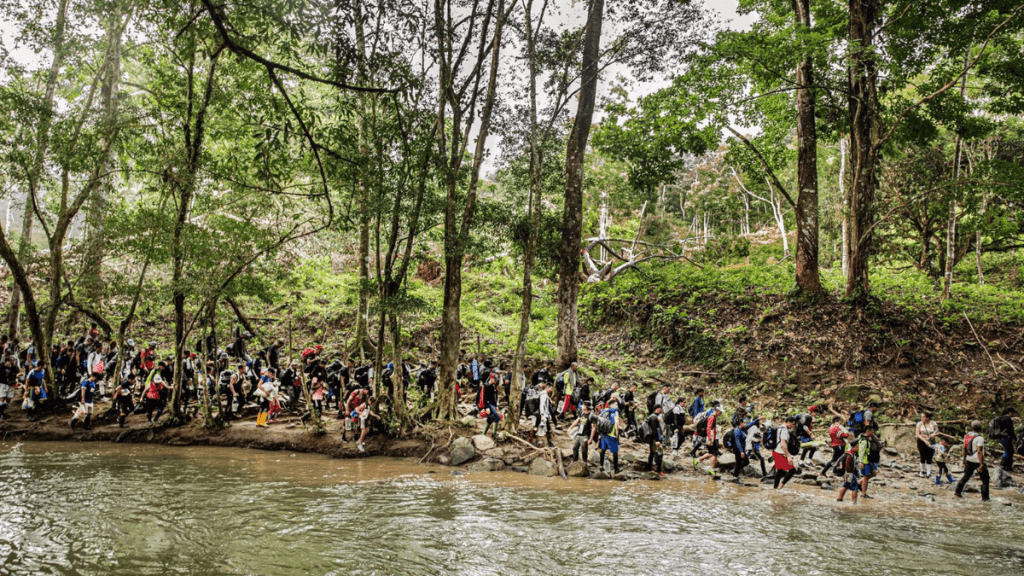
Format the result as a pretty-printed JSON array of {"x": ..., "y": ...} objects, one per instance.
[
  {"x": 770, "y": 439},
  {"x": 856, "y": 422}
]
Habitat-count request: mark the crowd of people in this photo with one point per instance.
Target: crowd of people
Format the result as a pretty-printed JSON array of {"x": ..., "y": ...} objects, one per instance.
[{"x": 136, "y": 381}]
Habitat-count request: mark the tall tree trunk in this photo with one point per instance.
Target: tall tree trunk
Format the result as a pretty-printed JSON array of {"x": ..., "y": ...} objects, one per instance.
[
  {"x": 362, "y": 346},
  {"x": 456, "y": 227},
  {"x": 572, "y": 215},
  {"x": 865, "y": 132},
  {"x": 807, "y": 277},
  {"x": 958, "y": 147},
  {"x": 533, "y": 209},
  {"x": 843, "y": 203},
  {"x": 36, "y": 172}
]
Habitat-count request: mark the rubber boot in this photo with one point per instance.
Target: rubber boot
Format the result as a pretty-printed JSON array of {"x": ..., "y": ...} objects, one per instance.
[
  {"x": 938, "y": 481},
  {"x": 120, "y": 421},
  {"x": 88, "y": 422},
  {"x": 950, "y": 478}
]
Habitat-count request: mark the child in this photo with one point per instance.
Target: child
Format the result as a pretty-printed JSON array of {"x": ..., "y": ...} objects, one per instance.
[
  {"x": 941, "y": 449},
  {"x": 848, "y": 464},
  {"x": 493, "y": 417}
]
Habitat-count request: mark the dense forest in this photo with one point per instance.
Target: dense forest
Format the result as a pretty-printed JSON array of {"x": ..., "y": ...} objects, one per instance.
[{"x": 379, "y": 174}]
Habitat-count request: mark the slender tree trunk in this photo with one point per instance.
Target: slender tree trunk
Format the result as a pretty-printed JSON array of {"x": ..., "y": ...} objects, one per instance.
[
  {"x": 533, "y": 209},
  {"x": 865, "y": 131},
  {"x": 36, "y": 172},
  {"x": 362, "y": 346},
  {"x": 807, "y": 277},
  {"x": 843, "y": 203},
  {"x": 572, "y": 215},
  {"x": 456, "y": 228},
  {"x": 958, "y": 148}
]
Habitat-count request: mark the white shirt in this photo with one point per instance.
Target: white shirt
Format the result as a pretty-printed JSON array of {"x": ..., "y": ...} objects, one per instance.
[
  {"x": 751, "y": 432},
  {"x": 783, "y": 440},
  {"x": 977, "y": 447}
]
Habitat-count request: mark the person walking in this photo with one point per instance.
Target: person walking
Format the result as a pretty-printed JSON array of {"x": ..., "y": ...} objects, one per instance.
[
  {"x": 582, "y": 427},
  {"x": 655, "y": 454},
  {"x": 610, "y": 434},
  {"x": 973, "y": 460},
  {"x": 925, "y": 432},
  {"x": 784, "y": 452},
  {"x": 123, "y": 399},
  {"x": 941, "y": 450},
  {"x": 837, "y": 436},
  {"x": 848, "y": 466},
  {"x": 870, "y": 451},
  {"x": 1007, "y": 437},
  {"x": 85, "y": 409},
  {"x": 739, "y": 447}
]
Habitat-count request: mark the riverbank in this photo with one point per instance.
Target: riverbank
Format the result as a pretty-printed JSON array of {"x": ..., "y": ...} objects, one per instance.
[{"x": 463, "y": 449}]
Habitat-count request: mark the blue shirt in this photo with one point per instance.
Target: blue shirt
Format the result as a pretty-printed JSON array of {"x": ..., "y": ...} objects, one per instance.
[
  {"x": 90, "y": 388},
  {"x": 740, "y": 436},
  {"x": 475, "y": 369},
  {"x": 698, "y": 407}
]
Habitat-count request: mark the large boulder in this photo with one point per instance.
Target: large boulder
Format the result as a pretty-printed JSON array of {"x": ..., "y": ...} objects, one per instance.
[
  {"x": 727, "y": 460},
  {"x": 488, "y": 465},
  {"x": 462, "y": 451},
  {"x": 752, "y": 472},
  {"x": 601, "y": 475},
  {"x": 542, "y": 467},
  {"x": 482, "y": 442},
  {"x": 578, "y": 469},
  {"x": 1004, "y": 480}
]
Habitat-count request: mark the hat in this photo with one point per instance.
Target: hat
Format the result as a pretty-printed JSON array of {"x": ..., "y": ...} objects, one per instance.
[
  {"x": 158, "y": 379},
  {"x": 872, "y": 404},
  {"x": 131, "y": 342},
  {"x": 152, "y": 343}
]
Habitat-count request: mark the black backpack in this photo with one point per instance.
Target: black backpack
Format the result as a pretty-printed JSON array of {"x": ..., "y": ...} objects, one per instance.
[
  {"x": 645, "y": 432},
  {"x": 995, "y": 431},
  {"x": 651, "y": 400},
  {"x": 729, "y": 440},
  {"x": 604, "y": 424},
  {"x": 770, "y": 439},
  {"x": 793, "y": 446}
]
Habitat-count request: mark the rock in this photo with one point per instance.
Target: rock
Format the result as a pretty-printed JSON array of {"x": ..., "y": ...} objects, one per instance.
[
  {"x": 566, "y": 453},
  {"x": 444, "y": 460},
  {"x": 482, "y": 442},
  {"x": 600, "y": 476},
  {"x": 578, "y": 469},
  {"x": 929, "y": 498},
  {"x": 879, "y": 483},
  {"x": 542, "y": 467},
  {"x": 826, "y": 485},
  {"x": 912, "y": 487},
  {"x": 621, "y": 477},
  {"x": 809, "y": 474},
  {"x": 654, "y": 476},
  {"x": 1007, "y": 503},
  {"x": 1004, "y": 480},
  {"x": 971, "y": 489},
  {"x": 520, "y": 469},
  {"x": 457, "y": 473},
  {"x": 461, "y": 451},
  {"x": 628, "y": 458},
  {"x": 669, "y": 466},
  {"x": 727, "y": 460},
  {"x": 469, "y": 421},
  {"x": 890, "y": 451},
  {"x": 488, "y": 465},
  {"x": 752, "y": 472}
]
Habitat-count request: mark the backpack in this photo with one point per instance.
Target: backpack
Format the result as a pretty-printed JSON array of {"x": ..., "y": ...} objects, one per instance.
[
  {"x": 651, "y": 399},
  {"x": 560, "y": 383},
  {"x": 995, "y": 431},
  {"x": 793, "y": 446},
  {"x": 700, "y": 423},
  {"x": 770, "y": 439},
  {"x": 729, "y": 441},
  {"x": 604, "y": 425},
  {"x": 645, "y": 432},
  {"x": 856, "y": 422},
  {"x": 968, "y": 441}
]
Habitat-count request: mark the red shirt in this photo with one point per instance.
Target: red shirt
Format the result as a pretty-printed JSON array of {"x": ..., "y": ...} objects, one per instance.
[
  {"x": 153, "y": 392},
  {"x": 834, "y": 433},
  {"x": 711, "y": 428}
]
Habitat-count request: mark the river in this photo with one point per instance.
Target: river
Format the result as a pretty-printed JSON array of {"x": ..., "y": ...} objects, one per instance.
[{"x": 109, "y": 509}]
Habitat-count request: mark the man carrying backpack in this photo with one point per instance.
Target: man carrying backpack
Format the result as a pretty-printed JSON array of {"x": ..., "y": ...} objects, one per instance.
[
  {"x": 608, "y": 427},
  {"x": 784, "y": 452},
  {"x": 870, "y": 448},
  {"x": 583, "y": 428},
  {"x": 837, "y": 438},
  {"x": 1001, "y": 428},
  {"x": 652, "y": 428},
  {"x": 709, "y": 432},
  {"x": 973, "y": 460},
  {"x": 697, "y": 408},
  {"x": 739, "y": 446}
]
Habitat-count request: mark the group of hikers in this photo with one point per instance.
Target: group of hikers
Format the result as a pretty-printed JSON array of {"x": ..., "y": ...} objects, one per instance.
[{"x": 137, "y": 382}]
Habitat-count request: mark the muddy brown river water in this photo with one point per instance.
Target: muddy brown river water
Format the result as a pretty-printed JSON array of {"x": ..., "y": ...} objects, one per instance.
[{"x": 109, "y": 509}]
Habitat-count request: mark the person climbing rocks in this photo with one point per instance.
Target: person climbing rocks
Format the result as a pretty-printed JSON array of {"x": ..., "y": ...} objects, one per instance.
[
  {"x": 973, "y": 460},
  {"x": 85, "y": 409},
  {"x": 848, "y": 468},
  {"x": 582, "y": 429},
  {"x": 837, "y": 436}
]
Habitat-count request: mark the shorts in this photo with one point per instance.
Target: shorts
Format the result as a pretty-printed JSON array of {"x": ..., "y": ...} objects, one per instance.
[
  {"x": 782, "y": 463},
  {"x": 852, "y": 482},
  {"x": 713, "y": 449},
  {"x": 869, "y": 469},
  {"x": 609, "y": 443},
  {"x": 6, "y": 392}
]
